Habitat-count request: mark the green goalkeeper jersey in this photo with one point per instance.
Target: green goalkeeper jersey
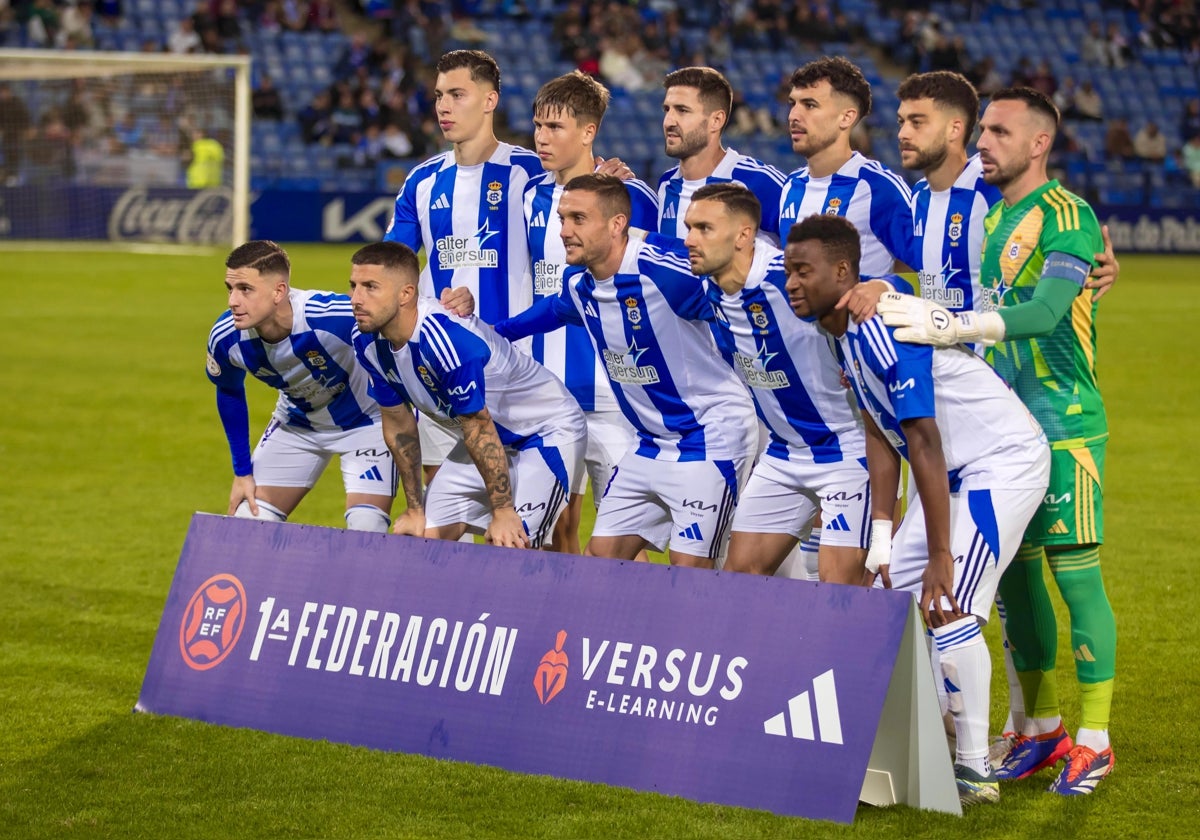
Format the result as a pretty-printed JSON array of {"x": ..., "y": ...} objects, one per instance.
[{"x": 1054, "y": 374}]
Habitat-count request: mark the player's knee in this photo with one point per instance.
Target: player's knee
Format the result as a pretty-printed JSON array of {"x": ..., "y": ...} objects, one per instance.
[
  {"x": 367, "y": 518},
  {"x": 267, "y": 512}
]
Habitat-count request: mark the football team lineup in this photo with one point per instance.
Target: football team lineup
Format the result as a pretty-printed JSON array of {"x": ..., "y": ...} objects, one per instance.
[{"x": 732, "y": 364}]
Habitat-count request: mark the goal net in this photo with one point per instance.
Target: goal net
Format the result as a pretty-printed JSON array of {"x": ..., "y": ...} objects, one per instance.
[{"x": 130, "y": 148}]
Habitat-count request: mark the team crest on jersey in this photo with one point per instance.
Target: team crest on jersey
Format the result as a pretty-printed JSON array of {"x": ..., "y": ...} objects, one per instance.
[
  {"x": 495, "y": 193},
  {"x": 758, "y": 316},
  {"x": 955, "y": 229},
  {"x": 832, "y": 208},
  {"x": 631, "y": 310},
  {"x": 423, "y": 372},
  {"x": 316, "y": 359},
  {"x": 213, "y": 367}
]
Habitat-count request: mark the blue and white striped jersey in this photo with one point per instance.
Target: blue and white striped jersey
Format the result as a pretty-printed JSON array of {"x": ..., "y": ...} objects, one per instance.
[
  {"x": 989, "y": 438},
  {"x": 650, "y": 325},
  {"x": 454, "y": 366},
  {"x": 568, "y": 353},
  {"x": 789, "y": 366},
  {"x": 320, "y": 385},
  {"x": 469, "y": 220},
  {"x": 874, "y": 198},
  {"x": 948, "y": 237},
  {"x": 764, "y": 180}
]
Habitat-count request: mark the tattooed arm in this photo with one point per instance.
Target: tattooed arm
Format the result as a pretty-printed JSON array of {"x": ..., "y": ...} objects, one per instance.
[
  {"x": 400, "y": 434},
  {"x": 483, "y": 445}
]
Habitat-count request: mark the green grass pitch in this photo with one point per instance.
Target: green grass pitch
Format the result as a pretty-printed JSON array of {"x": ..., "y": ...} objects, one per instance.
[{"x": 110, "y": 441}]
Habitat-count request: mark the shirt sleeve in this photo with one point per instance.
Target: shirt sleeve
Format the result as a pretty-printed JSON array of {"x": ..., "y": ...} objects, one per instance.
[
  {"x": 405, "y": 226},
  {"x": 458, "y": 358},
  {"x": 546, "y": 315},
  {"x": 235, "y": 420},
  {"x": 906, "y": 370},
  {"x": 1051, "y": 301},
  {"x": 891, "y": 216},
  {"x": 379, "y": 388}
]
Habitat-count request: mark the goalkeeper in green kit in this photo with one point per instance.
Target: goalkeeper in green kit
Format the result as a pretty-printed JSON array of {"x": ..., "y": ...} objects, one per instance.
[{"x": 1039, "y": 330}]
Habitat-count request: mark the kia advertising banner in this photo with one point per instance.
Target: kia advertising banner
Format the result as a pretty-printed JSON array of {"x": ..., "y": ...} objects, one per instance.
[{"x": 727, "y": 688}]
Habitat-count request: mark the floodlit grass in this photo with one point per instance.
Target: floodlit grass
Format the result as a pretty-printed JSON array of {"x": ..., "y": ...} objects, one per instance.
[{"x": 111, "y": 440}]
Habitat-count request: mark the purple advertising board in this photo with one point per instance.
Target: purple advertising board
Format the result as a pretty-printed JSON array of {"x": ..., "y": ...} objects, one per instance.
[{"x": 725, "y": 688}]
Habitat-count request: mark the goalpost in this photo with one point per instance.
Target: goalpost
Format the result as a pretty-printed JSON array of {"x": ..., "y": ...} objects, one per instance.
[{"x": 144, "y": 150}]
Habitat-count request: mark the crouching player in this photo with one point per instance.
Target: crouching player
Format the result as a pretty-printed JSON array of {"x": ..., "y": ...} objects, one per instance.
[
  {"x": 521, "y": 435},
  {"x": 301, "y": 344},
  {"x": 979, "y": 460}
]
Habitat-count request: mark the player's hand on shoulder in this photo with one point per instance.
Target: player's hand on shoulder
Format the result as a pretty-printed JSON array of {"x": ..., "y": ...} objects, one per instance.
[
  {"x": 507, "y": 529},
  {"x": 410, "y": 523},
  {"x": 459, "y": 301},
  {"x": 1106, "y": 269},
  {"x": 613, "y": 166},
  {"x": 863, "y": 298},
  {"x": 242, "y": 491}
]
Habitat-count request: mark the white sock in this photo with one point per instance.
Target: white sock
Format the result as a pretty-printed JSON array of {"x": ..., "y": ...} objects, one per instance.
[
  {"x": 1093, "y": 739},
  {"x": 939, "y": 679},
  {"x": 1040, "y": 726},
  {"x": 967, "y": 671},
  {"x": 367, "y": 518},
  {"x": 809, "y": 548},
  {"x": 1016, "y": 698},
  {"x": 266, "y": 512}
]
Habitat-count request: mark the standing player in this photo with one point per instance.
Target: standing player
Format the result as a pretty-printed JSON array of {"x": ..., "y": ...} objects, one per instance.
[
  {"x": 522, "y": 434},
  {"x": 829, "y": 96},
  {"x": 649, "y": 321},
  {"x": 1039, "y": 323},
  {"x": 464, "y": 206},
  {"x": 300, "y": 343},
  {"x": 567, "y": 112},
  {"x": 815, "y": 458},
  {"x": 978, "y": 459},
  {"x": 695, "y": 111}
]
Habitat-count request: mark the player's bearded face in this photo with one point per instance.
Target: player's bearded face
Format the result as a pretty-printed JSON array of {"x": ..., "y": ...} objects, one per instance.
[
  {"x": 373, "y": 297},
  {"x": 584, "y": 234},
  {"x": 685, "y": 125},
  {"x": 1005, "y": 142},
  {"x": 922, "y": 135},
  {"x": 710, "y": 238},
  {"x": 813, "y": 119}
]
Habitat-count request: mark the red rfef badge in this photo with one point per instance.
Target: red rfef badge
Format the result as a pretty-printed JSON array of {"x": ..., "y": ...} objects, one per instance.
[
  {"x": 551, "y": 675},
  {"x": 212, "y": 622}
]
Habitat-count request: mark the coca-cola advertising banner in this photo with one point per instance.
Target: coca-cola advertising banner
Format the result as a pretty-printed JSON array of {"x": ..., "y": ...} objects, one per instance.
[{"x": 727, "y": 688}]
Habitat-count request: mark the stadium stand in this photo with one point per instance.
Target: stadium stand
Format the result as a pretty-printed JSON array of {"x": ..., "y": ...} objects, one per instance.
[{"x": 1140, "y": 66}]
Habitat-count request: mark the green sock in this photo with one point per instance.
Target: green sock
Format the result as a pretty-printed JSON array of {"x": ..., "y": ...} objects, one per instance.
[
  {"x": 1076, "y": 570},
  {"x": 1031, "y": 629}
]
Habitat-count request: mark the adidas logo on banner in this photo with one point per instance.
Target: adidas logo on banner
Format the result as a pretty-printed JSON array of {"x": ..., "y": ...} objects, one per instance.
[
  {"x": 372, "y": 474},
  {"x": 539, "y": 220},
  {"x": 442, "y": 203},
  {"x": 669, "y": 213},
  {"x": 798, "y": 720},
  {"x": 838, "y": 523},
  {"x": 691, "y": 532}
]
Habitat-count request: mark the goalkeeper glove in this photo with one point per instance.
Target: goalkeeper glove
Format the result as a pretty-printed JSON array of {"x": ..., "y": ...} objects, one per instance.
[{"x": 921, "y": 321}]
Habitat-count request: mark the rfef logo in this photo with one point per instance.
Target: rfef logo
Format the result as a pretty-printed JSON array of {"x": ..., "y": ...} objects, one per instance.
[
  {"x": 212, "y": 622},
  {"x": 551, "y": 674}
]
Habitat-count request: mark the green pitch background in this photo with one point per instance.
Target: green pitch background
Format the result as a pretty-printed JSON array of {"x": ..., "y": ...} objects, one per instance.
[{"x": 110, "y": 440}]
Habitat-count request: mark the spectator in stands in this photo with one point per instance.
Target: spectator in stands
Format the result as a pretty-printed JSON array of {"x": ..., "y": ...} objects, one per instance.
[
  {"x": 356, "y": 54},
  {"x": 985, "y": 76},
  {"x": 42, "y": 23},
  {"x": 1087, "y": 102},
  {"x": 369, "y": 149},
  {"x": 315, "y": 126},
  {"x": 128, "y": 132},
  {"x": 346, "y": 120},
  {"x": 205, "y": 161},
  {"x": 717, "y": 48},
  {"x": 270, "y": 18},
  {"x": 1150, "y": 143},
  {"x": 1191, "y": 53},
  {"x": 322, "y": 16},
  {"x": 1118, "y": 143},
  {"x": 1094, "y": 48},
  {"x": 369, "y": 108},
  {"x": 617, "y": 67},
  {"x": 267, "y": 103},
  {"x": 1043, "y": 79},
  {"x": 229, "y": 27},
  {"x": 1022, "y": 74},
  {"x": 51, "y": 155},
  {"x": 1064, "y": 97},
  {"x": 1119, "y": 51},
  {"x": 76, "y": 28},
  {"x": 397, "y": 143},
  {"x": 15, "y": 123},
  {"x": 163, "y": 137},
  {"x": 946, "y": 54},
  {"x": 1191, "y": 159},
  {"x": 203, "y": 19},
  {"x": 1189, "y": 125},
  {"x": 294, "y": 14},
  {"x": 185, "y": 38}
]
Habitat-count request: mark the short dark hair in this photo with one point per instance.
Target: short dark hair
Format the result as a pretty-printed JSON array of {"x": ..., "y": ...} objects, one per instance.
[
  {"x": 716, "y": 94},
  {"x": 609, "y": 189},
  {"x": 838, "y": 237},
  {"x": 391, "y": 255},
  {"x": 946, "y": 88},
  {"x": 1035, "y": 99},
  {"x": 843, "y": 76},
  {"x": 736, "y": 198},
  {"x": 262, "y": 255},
  {"x": 576, "y": 94},
  {"x": 483, "y": 67}
]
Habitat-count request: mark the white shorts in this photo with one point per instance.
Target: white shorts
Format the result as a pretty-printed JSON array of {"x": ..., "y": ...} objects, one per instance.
[
  {"x": 436, "y": 441},
  {"x": 290, "y": 457},
  {"x": 781, "y": 497},
  {"x": 986, "y": 528},
  {"x": 687, "y": 504},
  {"x": 610, "y": 437},
  {"x": 541, "y": 479}
]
